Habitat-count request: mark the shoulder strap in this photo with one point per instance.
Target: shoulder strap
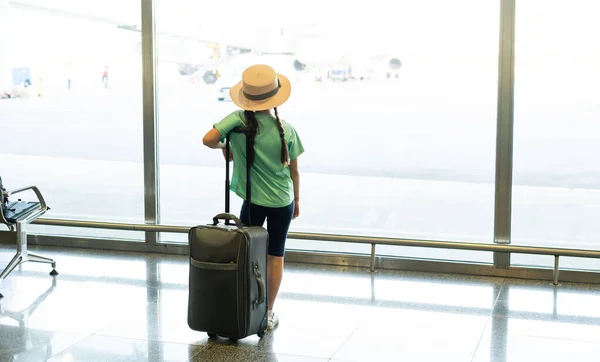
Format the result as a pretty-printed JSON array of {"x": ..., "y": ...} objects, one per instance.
[{"x": 249, "y": 146}]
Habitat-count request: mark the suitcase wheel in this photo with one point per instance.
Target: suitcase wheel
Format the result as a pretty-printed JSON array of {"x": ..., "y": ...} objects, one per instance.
[{"x": 212, "y": 335}]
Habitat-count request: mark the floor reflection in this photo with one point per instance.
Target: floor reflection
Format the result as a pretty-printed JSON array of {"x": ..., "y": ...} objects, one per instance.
[
  {"x": 17, "y": 342},
  {"x": 137, "y": 312}
]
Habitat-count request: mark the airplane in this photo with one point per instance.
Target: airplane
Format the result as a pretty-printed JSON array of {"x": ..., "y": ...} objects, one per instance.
[{"x": 337, "y": 58}]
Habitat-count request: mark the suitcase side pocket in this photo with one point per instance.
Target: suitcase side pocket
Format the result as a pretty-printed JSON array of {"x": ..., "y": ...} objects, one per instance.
[
  {"x": 213, "y": 266},
  {"x": 214, "y": 297}
]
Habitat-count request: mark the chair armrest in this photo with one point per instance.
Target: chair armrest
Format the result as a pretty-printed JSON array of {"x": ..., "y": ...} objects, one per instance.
[{"x": 37, "y": 193}]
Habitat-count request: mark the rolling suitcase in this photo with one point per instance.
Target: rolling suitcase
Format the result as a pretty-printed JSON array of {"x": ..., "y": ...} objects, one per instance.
[{"x": 228, "y": 273}]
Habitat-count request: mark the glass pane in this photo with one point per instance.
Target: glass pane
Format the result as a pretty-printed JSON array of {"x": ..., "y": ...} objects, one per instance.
[
  {"x": 556, "y": 197},
  {"x": 547, "y": 262},
  {"x": 397, "y": 117},
  {"x": 71, "y": 108}
]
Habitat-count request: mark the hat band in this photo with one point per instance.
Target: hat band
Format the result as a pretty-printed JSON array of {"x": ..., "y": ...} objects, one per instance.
[{"x": 263, "y": 96}]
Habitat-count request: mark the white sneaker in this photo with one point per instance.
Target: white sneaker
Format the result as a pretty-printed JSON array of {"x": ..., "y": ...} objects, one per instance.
[{"x": 273, "y": 320}]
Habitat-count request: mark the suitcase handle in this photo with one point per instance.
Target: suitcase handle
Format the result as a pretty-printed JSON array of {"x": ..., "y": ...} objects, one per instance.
[
  {"x": 261, "y": 285},
  {"x": 227, "y": 216}
]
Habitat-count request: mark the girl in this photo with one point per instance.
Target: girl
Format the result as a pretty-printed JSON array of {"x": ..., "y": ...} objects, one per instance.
[{"x": 275, "y": 179}]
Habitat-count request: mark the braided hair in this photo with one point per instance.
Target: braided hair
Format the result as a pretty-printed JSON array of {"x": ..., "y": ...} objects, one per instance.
[
  {"x": 285, "y": 156},
  {"x": 251, "y": 130}
]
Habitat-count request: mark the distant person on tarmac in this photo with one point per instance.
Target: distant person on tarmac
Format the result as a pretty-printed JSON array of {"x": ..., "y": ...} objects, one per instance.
[
  {"x": 105, "y": 76},
  {"x": 275, "y": 176},
  {"x": 69, "y": 75}
]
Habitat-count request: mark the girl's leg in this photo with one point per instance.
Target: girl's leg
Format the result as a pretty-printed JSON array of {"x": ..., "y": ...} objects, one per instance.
[
  {"x": 275, "y": 276},
  {"x": 278, "y": 224}
]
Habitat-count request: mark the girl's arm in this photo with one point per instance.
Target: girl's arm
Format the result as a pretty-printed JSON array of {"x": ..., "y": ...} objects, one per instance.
[
  {"x": 212, "y": 139},
  {"x": 295, "y": 174}
]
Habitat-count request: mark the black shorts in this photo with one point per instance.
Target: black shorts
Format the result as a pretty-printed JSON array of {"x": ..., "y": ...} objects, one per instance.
[{"x": 278, "y": 223}]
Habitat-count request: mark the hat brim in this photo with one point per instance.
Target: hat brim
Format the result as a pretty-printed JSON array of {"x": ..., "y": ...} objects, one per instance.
[{"x": 237, "y": 96}]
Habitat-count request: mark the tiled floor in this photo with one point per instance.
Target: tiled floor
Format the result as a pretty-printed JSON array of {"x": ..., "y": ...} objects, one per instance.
[{"x": 108, "y": 306}]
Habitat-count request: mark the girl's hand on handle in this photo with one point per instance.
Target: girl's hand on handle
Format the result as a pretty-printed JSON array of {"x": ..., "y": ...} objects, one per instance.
[{"x": 225, "y": 154}]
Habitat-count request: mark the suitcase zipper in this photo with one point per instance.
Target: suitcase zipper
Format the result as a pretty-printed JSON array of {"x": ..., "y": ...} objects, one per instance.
[{"x": 254, "y": 271}]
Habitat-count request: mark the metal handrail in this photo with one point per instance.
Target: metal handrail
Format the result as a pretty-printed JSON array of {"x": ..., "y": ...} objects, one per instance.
[
  {"x": 372, "y": 240},
  {"x": 112, "y": 225},
  {"x": 520, "y": 249}
]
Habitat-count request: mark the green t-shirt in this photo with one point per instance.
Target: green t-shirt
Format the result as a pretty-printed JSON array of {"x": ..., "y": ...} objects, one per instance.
[{"x": 272, "y": 185}]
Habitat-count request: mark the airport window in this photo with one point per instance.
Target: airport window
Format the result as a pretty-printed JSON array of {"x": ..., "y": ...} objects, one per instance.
[
  {"x": 71, "y": 110},
  {"x": 398, "y": 117},
  {"x": 396, "y": 109},
  {"x": 556, "y": 189}
]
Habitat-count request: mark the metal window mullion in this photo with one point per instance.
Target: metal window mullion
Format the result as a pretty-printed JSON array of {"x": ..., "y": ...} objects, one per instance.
[
  {"x": 504, "y": 134},
  {"x": 150, "y": 124}
]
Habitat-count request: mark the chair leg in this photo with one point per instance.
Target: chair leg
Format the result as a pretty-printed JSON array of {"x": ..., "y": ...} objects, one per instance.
[
  {"x": 42, "y": 259},
  {"x": 16, "y": 260}
]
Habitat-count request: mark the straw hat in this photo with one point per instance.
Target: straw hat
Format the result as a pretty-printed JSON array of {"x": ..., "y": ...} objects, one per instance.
[{"x": 261, "y": 88}]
